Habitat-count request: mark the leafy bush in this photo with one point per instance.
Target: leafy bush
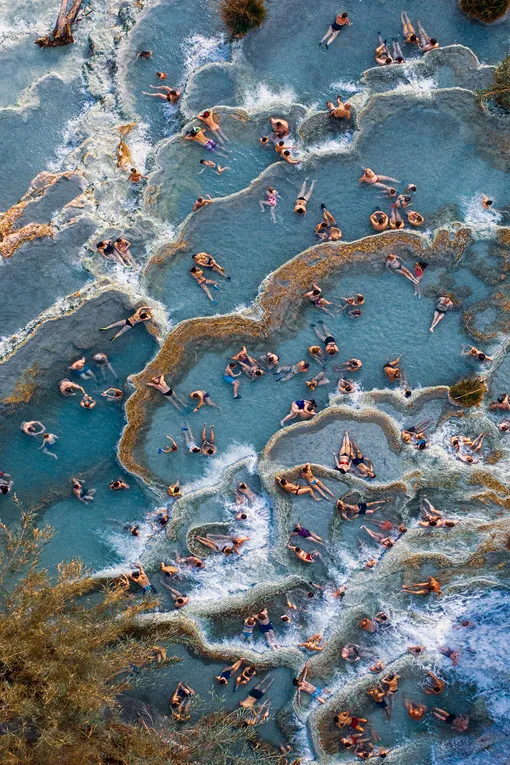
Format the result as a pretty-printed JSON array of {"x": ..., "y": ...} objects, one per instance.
[
  {"x": 499, "y": 91},
  {"x": 240, "y": 16},
  {"x": 485, "y": 10},
  {"x": 468, "y": 392}
]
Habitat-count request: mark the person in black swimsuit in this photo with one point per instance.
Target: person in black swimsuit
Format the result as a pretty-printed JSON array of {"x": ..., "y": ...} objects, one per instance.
[
  {"x": 341, "y": 20},
  {"x": 257, "y": 692}
]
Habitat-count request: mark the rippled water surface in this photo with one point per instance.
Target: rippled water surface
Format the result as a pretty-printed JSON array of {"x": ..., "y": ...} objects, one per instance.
[{"x": 65, "y": 111}]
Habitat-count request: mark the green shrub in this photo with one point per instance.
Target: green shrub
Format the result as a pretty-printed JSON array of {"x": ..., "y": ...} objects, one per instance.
[
  {"x": 240, "y": 16},
  {"x": 468, "y": 392},
  {"x": 485, "y": 10},
  {"x": 499, "y": 91}
]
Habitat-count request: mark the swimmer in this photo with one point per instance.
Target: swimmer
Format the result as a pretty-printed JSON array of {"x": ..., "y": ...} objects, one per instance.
[
  {"x": 366, "y": 624},
  {"x": 102, "y": 361},
  {"x": 270, "y": 202},
  {"x": 433, "y": 684},
  {"x": 410, "y": 35},
  {"x": 248, "y": 672},
  {"x": 397, "y": 55},
  {"x": 80, "y": 369},
  {"x": 209, "y": 163},
  {"x": 382, "y": 54},
  {"x": 209, "y": 120},
  {"x": 279, "y": 126},
  {"x": 346, "y": 386},
  {"x": 459, "y": 723},
  {"x": 291, "y": 371},
  {"x": 48, "y": 439},
  {"x": 337, "y": 25},
  {"x": 303, "y": 197},
  {"x": 451, "y": 653},
  {"x": 248, "y": 626},
  {"x": 244, "y": 490},
  {"x": 379, "y": 537},
  {"x": 208, "y": 447},
  {"x": 141, "y": 314},
  {"x": 354, "y": 299},
  {"x": 87, "y": 402},
  {"x": 179, "y": 701},
  {"x": 84, "y": 495},
  {"x": 392, "y": 369},
  {"x": 205, "y": 260},
  {"x": 202, "y": 202},
  {"x": 168, "y": 570},
  {"x": 314, "y": 643},
  {"x": 171, "y": 95},
  {"x": 302, "y": 408},
  {"x": 190, "y": 560},
  {"x": 161, "y": 75},
  {"x": 33, "y": 428},
  {"x": 304, "y": 686},
  {"x": 251, "y": 370},
  {"x": 346, "y": 718},
  {"x": 391, "y": 682},
  {"x": 502, "y": 403},
  {"x": 415, "y": 710},
  {"x": 351, "y": 365},
  {"x": 178, "y": 598},
  {"x": 225, "y": 674},
  {"x": 504, "y": 426},
  {"x": 375, "y": 180},
  {"x": 317, "y": 354},
  {"x": 432, "y": 585},
  {"x": 306, "y": 557},
  {"x": 486, "y": 202},
  {"x": 426, "y": 43},
  {"x": 396, "y": 264},
  {"x": 350, "y": 512},
  {"x": 377, "y": 666},
  {"x": 112, "y": 394},
  {"x": 189, "y": 440},
  {"x": 257, "y": 693},
  {"x": 382, "y": 698},
  {"x": 264, "y": 140},
  {"x": 68, "y": 388},
  {"x": 229, "y": 375},
  {"x": 475, "y": 353},
  {"x": 144, "y": 54},
  {"x": 223, "y": 543},
  {"x": 396, "y": 221},
  {"x": 118, "y": 485},
  {"x": 379, "y": 220},
  {"x": 159, "y": 383},
  {"x": 403, "y": 201},
  {"x": 135, "y": 176},
  {"x": 266, "y": 628},
  {"x": 414, "y": 218},
  {"x": 315, "y": 297},
  {"x": 416, "y": 650},
  {"x": 122, "y": 246},
  {"x": 295, "y": 488},
  {"x": 174, "y": 490},
  {"x": 285, "y": 154},
  {"x": 443, "y": 305},
  {"x": 326, "y": 337},
  {"x": 343, "y": 461},
  {"x": 342, "y": 111},
  {"x": 350, "y": 652},
  {"x": 318, "y": 485},
  {"x": 198, "y": 135},
  {"x": 334, "y": 234},
  {"x": 202, "y": 397},
  {"x": 108, "y": 251},
  {"x": 360, "y": 462},
  {"x": 203, "y": 283},
  {"x": 318, "y": 379},
  {"x": 269, "y": 360}
]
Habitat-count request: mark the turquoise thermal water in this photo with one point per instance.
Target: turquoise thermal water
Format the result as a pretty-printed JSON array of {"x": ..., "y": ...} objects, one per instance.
[{"x": 60, "y": 111}]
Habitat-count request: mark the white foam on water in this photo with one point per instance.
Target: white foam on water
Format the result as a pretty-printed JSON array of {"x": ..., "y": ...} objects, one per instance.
[
  {"x": 476, "y": 215},
  {"x": 199, "y": 50},
  {"x": 332, "y": 146},
  {"x": 216, "y": 466},
  {"x": 264, "y": 98},
  {"x": 345, "y": 86},
  {"x": 415, "y": 84}
]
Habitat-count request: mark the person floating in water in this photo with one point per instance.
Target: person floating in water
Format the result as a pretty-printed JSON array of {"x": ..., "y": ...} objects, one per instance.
[
  {"x": 204, "y": 283},
  {"x": 171, "y": 95},
  {"x": 33, "y": 428},
  {"x": 79, "y": 491},
  {"x": 257, "y": 692},
  {"x": 209, "y": 163},
  {"x": 295, "y": 488},
  {"x": 302, "y": 408},
  {"x": 376, "y": 180},
  {"x": 444, "y": 304},
  {"x": 226, "y": 674},
  {"x": 210, "y": 121},
  {"x": 432, "y": 585},
  {"x": 350, "y": 512},
  {"x": 474, "y": 353},
  {"x": 180, "y": 700},
  {"x": 304, "y": 686},
  {"x": 141, "y": 314},
  {"x": 272, "y": 197},
  {"x": 159, "y": 383},
  {"x": 342, "y": 111},
  {"x": 303, "y": 197},
  {"x": 48, "y": 440},
  {"x": 341, "y": 21},
  {"x": 315, "y": 483},
  {"x": 198, "y": 135},
  {"x": 410, "y": 35},
  {"x": 202, "y": 202},
  {"x": 382, "y": 55},
  {"x": 426, "y": 43},
  {"x": 396, "y": 264}
]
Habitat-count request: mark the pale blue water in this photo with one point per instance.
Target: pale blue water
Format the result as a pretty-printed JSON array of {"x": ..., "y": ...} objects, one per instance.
[{"x": 60, "y": 110}]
